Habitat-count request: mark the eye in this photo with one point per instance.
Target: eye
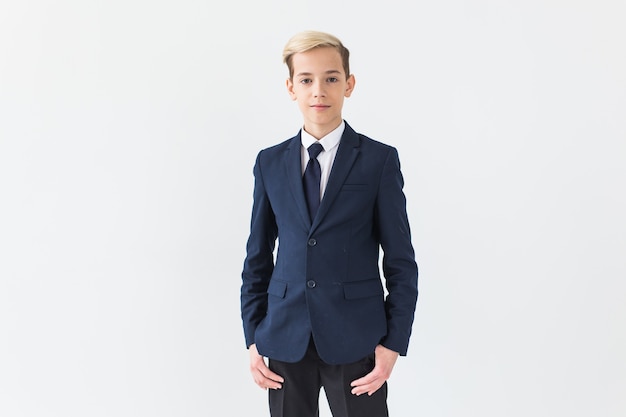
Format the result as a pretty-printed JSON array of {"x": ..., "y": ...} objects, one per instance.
[
  {"x": 332, "y": 79},
  {"x": 305, "y": 81}
]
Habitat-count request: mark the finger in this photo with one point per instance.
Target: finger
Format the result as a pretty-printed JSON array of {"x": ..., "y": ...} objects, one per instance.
[
  {"x": 269, "y": 374},
  {"x": 259, "y": 365},
  {"x": 266, "y": 383},
  {"x": 364, "y": 380},
  {"x": 265, "y": 378},
  {"x": 370, "y": 383},
  {"x": 367, "y": 389}
]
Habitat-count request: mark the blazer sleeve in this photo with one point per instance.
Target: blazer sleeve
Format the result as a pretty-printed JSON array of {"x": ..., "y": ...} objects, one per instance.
[
  {"x": 399, "y": 265},
  {"x": 259, "y": 262}
]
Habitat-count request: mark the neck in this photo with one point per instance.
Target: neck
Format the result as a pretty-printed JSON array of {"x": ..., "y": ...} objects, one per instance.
[{"x": 319, "y": 131}]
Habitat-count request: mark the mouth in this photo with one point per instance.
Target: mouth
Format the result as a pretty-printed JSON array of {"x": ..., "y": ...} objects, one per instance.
[{"x": 320, "y": 106}]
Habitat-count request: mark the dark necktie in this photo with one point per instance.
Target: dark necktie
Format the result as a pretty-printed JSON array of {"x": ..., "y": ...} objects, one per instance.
[{"x": 311, "y": 179}]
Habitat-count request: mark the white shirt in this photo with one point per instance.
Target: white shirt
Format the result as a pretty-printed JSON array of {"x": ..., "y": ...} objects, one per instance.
[{"x": 330, "y": 143}]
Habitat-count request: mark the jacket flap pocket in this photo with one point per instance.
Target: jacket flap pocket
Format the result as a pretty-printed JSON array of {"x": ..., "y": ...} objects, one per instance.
[
  {"x": 277, "y": 288},
  {"x": 362, "y": 289}
]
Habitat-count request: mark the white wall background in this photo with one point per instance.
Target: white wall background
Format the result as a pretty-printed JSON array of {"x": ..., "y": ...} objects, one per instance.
[{"x": 128, "y": 131}]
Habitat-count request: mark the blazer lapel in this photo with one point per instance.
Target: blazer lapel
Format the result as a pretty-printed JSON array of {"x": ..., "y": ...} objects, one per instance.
[
  {"x": 346, "y": 155},
  {"x": 293, "y": 164}
]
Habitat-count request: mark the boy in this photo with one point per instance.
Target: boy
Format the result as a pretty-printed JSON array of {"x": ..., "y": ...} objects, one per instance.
[{"x": 319, "y": 314}]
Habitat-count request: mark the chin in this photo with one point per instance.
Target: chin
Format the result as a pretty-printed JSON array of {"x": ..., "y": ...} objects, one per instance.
[{"x": 324, "y": 119}]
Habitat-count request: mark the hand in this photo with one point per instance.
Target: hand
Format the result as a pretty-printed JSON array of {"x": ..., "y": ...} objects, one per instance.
[
  {"x": 385, "y": 359},
  {"x": 262, "y": 375}
]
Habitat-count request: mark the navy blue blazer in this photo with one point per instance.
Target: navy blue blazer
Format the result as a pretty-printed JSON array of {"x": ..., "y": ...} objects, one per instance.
[{"x": 324, "y": 279}]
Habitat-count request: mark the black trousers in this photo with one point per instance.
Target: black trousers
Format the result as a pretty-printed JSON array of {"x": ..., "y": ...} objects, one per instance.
[{"x": 299, "y": 396}]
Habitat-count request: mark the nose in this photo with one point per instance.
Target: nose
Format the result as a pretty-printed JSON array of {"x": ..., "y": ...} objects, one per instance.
[{"x": 318, "y": 89}]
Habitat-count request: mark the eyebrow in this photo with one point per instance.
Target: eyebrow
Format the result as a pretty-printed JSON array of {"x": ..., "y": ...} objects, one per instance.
[{"x": 306, "y": 74}]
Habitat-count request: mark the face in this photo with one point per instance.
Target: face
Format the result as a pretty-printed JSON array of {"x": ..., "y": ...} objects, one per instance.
[{"x": 319, "y": 85}]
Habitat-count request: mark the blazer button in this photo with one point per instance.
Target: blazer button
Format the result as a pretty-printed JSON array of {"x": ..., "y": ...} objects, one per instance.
[
  {"x": 310, "y": 283},
  {"x": 312, "y": 242}
]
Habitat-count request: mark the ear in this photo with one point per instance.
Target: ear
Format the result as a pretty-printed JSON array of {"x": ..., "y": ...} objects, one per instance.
[
  {"x": 350, "y": 82},
  {"x": 292, "y": 93}
]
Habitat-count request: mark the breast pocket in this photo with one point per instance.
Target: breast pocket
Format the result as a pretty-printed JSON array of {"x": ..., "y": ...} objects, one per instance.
[{"x": 354, "y": 187}]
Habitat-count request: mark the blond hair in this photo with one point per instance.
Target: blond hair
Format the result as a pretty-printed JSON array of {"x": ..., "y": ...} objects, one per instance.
[{"x": 310, "y": 39}]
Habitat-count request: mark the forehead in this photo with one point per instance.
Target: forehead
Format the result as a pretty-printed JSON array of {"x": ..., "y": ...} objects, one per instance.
[{"x": 322, "y": 59}]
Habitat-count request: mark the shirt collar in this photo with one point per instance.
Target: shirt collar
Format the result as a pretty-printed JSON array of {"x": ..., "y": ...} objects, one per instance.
[{"x": 328, "y": 142}]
